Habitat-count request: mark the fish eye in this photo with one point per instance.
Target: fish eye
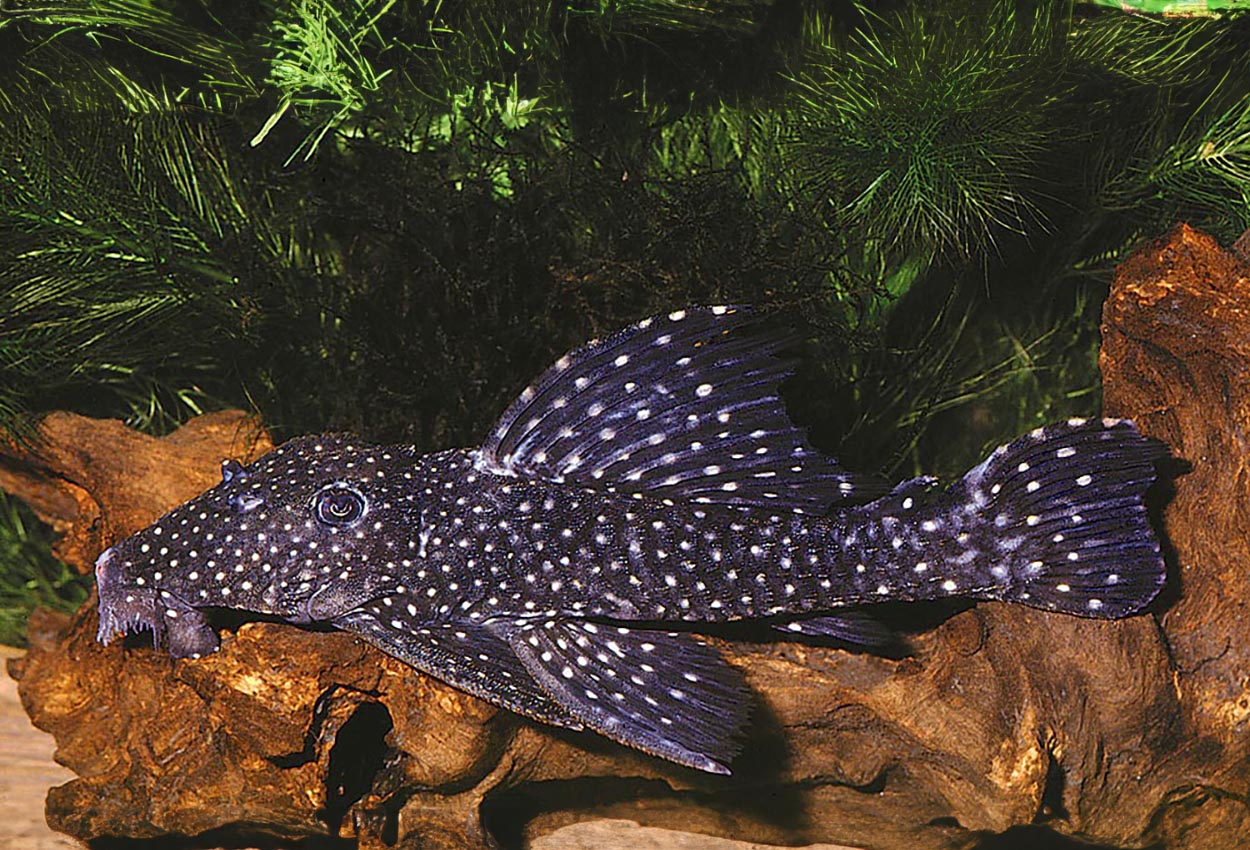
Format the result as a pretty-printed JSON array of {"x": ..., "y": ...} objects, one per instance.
[{"x": 338, "y": 505}]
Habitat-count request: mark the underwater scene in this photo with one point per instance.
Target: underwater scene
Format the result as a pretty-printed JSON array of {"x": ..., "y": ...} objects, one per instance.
[{"x": 627, "y": 422}]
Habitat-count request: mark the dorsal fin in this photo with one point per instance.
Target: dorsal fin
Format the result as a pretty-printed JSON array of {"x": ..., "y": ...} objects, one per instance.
[{"x": 682, "y": 406}]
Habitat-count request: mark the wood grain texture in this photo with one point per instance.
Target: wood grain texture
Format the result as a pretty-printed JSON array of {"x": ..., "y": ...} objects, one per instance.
[
  {"x": 1125, "y": 734},
  {"x": 96, "y": 481}
]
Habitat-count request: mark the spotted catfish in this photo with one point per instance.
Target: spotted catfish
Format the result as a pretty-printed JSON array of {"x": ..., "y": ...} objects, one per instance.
[{"x": 646, "y": 487}]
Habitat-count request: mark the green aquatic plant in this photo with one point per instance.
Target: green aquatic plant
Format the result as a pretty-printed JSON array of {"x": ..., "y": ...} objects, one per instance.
[
  {"x": 1205, "y": 171},
  {"x": 125, "y": 243},
  {"x": 929, "y": 140},
  {"x": 325, "y": 59},
  {"x": 202, "y": 55},
  {"x": 30, "y": 576},
  {"x": 640, "y": 16}
]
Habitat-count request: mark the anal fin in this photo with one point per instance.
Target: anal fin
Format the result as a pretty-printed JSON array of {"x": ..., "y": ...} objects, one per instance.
[{"x": 855, "y": 629}]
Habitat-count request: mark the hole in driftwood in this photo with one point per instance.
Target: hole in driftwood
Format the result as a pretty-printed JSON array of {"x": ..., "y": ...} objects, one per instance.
[
  {"x": 1051, "y": 805},
  {"x": 509, "y": 816},
  {"x": 357, "y": 755}
]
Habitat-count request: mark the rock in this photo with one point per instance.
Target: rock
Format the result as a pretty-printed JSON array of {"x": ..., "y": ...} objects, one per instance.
[{"x": 1126, "y": 733}]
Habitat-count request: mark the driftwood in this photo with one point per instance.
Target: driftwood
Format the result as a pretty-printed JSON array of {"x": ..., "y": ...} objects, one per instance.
[
  {"x": 1128, "y": 733},
  {"x": 97, "y": 481}
]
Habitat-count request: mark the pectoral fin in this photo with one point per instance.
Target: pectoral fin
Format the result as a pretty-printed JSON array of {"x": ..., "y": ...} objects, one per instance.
[
  {"x": 469, "y": 656},
  {"x": 665, "y": 693}
]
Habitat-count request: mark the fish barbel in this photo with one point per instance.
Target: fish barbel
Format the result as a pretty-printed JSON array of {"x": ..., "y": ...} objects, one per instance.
[{"x": 644, "y": 487}]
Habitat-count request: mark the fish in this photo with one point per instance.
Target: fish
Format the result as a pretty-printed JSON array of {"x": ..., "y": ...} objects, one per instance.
[{"x": 646, "y": 489}]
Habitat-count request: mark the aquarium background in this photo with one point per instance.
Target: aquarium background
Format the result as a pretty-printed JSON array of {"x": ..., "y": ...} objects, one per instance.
[{"x": 386, "y": 217}]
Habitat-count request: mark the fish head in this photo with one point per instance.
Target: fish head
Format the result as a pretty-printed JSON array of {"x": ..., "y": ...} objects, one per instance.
[{"x": 308, "y": 531}]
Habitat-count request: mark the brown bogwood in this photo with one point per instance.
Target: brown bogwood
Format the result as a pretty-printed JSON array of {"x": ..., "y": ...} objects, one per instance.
[
  {"x": 96, "y": 481},
  {"x": 1128, "y": 733}
]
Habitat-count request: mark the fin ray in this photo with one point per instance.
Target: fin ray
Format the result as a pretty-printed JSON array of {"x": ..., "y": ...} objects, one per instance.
[
  {"x": 682, "y": 406},
  {"x": 1074, "y": 493},
  {"x": 467, "y": 655},
  {"x": 857, "y": 629},
  {"x": 665, "y": 693}
]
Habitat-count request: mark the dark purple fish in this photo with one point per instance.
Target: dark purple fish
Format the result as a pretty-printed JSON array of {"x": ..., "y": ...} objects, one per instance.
[{"x": 645, "y": 486}]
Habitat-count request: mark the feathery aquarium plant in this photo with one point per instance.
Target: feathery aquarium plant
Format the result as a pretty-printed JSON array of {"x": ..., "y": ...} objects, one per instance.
[
  {"x": 929, "y": 129},
  {"x": 29, "y": 574}
]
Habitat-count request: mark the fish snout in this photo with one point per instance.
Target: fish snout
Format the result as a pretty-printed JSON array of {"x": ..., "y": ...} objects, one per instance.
[
  {"x": 126, "y": 604},
  {"x": 110, "y": 574},
  {"x": 102, "y": 566}
]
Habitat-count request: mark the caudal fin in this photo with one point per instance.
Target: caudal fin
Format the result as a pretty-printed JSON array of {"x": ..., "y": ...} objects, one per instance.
[{"x": 1069, "y": 520}]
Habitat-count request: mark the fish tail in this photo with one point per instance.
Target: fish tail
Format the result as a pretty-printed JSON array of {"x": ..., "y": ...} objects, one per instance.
[{"x": 1066, "y": 520}]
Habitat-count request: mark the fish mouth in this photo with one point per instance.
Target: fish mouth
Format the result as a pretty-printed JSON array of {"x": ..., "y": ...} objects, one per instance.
[
  {"x": 124, "y": 606},
  {"x": 130, "y": 604},
  {"x": 333, "y": 600}
]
